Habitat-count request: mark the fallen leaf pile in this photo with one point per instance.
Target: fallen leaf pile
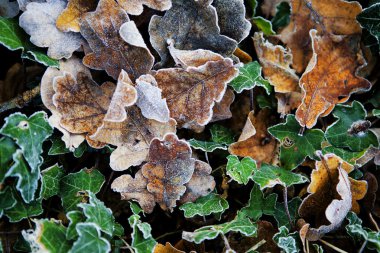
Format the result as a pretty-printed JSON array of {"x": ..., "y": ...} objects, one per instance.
[{"x": 154, "y": 126}]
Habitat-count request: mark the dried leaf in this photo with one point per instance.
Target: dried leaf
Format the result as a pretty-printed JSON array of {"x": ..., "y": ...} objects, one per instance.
[
  {"x": 330, "y": 75},
  {"x": 69, "y": 19},
  {"x": 8, "y": 9},
  {"x": 115, "y": 42},
  {"x": 135, "y": 7},
  {"x": 221, "y": 110},
  {"x": 286, "y": 102},
  {"x": 167, "y": 248}
]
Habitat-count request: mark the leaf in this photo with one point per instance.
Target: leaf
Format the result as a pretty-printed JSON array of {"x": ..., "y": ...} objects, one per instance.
[
  {"x": 60, "y": 45},
  {"x": 90, "y": 239},
  {"x": 294, "y": 147},
  {"x": 142, "y": 240},
  {"x": 29, "y": 134},
  {"x": 276, "y": 62},
  {"x": 240, "y": 224},
  {"x": 280, "y": 213},
  {"x": 8, "y": 10},
  {"x": 75, "y": 184},
  {"x": 351, "y": 130},
  {"x": 74, "y": 218},
  {"x": 221, "y": 110},
  {"x": 58, "y": 147},
  {"x": 287, "y": 241},
  {"x": 282, "y": 16},
  {"x": 269, "y": 176},
  {"x": 249, "y": 77},
  {"x": 207, "y": 146},
  {"x": 345, "y": 154},
  {"x": 14, "y": 38},
  {"x": 199, "y": 29},
  {"x": 136, "y": 7},
  {"x": 7, "y": 200},
  {"x": 221, "y": 134},
  {"x": 255, "y": 141},
  {"x": 96, "y": 212},
  {"x": 240, "y": 171},
  {"x": 286, "y": 102},
  {"x": 7, "y": 148},
  {"x": 369, "y": 19},
  {"x": 167, "y": 248},
  {"x": 263, "y": 25},
  {"x": 376, "y": 112},
  {"x": 115, "y": 42},
  {"x": 69, "y": 19},
  {"x": 51, "y": 178},
  {"x": 356, "y": 231},
  {"x": 258, "y": 205},
  {"x": 336, "y": 17},
  {"x": 331, "y": 75},
  {"x": 212, "y": 203}
]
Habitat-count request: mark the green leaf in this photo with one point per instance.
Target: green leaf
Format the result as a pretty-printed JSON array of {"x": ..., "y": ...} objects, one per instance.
[
  {"x": 96, "y": 212},
  {"x": 294, "y": 147},
  {"x": 360, "y": 234},
  {"x": 90, "y": 240},
  {"x": 258, "y": 205},
  {"x": 50, "y": 181},
  {"x": 142, "y": 240},
  {"x": 23, "y": 210},
  {"x": 207, "y": 146},
  {"x": 249, "y": 77},
  {"x": 318, "y": 248},
  {"x": 351, "y": 128},
  {"x": 74, "y": 218},
  {"x": 240, "y": 224},
  {"x": 376, "y": 112},
  {"x": 48, "y": 236},
  {"x": 7, "y": 148},
  {"x": 29, "y": 134},
  {"x": 240, "y": 171},
  {"x": 27, "y": 180},
  {"x": 269, "y": 176},
  {"x": 119, "y": 230},
  {"x": 13, "y": 37},
  {"x": 58, "y": 147},
  {"x": 7, "y": 200},
  {"x": 346, "y": 155},
  {"x": 263, "y": 25},
  {"x": 280, "y": 213},
  {"x": 287, "y": 242},
  {"x": 73, "y": 187},
  {"x": 221, "y": 134},
  {"x": 212, "y": 203},
  {"x": 370, "y": 20},
  {"x": 282, "y": 17},
  {"x": 135, "y": 208}
]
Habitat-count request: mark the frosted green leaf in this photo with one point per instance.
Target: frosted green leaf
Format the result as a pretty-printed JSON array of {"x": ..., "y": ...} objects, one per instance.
[
  {"x": 119, "y": 230},
  {"x": 7, "y": 200},
  {"x": 288, "y": 242},
  {"x": 58, "y": 147},
  {"x": 258, "y": 205},
  {"x": 346, "y": 155},
  {"x": 240, "y": 224},
  {"x": 249, "y": 77},
  {"x": 240, "y": 171},
  {"x": 27, "y": 181},
  {"x": 50, "y": 181},
  {"x": 294, "y": 147},
  {"x": 96, "y": 212},
  {"x": 318, "y": 248},
  {"x": 376, "y": 112},
  {"x": 360, "y": 234},
  {"x": 90, "y": 240},
  {"x": 13, "y": 37},
  {"x": 142, "y": 240},
  {"x": 23, "y": 210},
  {"x": 207, "y": 146},
  {"x": 73, "y": 187},
  {"x": 280, "y": 213},
  {"x": 212, "y": 203},
  {"x": 29, "y": 134},
  {"x": 7, "y": 148},
  {"x": 74, "y": 218},
  {"x": 351, "y": 130},
  {"x": 269, "y": 176},
  {"x": 221, "y": 134},
  {"x": 135, "y": 208},
  {"x": 263, "y": 25},
  {"x": 282, "y": 17},
  {"x": 48, "y": 236},
  {"x": 370, "y": 20}
]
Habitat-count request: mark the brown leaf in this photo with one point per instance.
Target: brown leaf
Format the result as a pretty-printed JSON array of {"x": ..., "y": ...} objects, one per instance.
[
  {"x": 69, "y": 19},
  {"x": 111, "y": 50},
  {"x": 337, "y": 17},
  {"x": 167, "y": 248},
  {"x": 276, "y": 62},
  {"x": 268, "y": 7},
  {"x": 190, "y": 25},
  {"x": 221, "y": 110},
  {"x": 286, "y": 102},
  {"x": 255, "y": 141},
  {"x": 330, "y": 77},
  {"x": 135, "y": 7},
  {"x": 370, "y": 198}
]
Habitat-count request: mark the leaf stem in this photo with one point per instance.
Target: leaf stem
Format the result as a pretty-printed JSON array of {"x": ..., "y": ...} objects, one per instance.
[
  {"x": 206, "y": 157},
  {"x": 374, "y": 222},
  {"x": 256, "y": 246},
  {"x": 251, "y": 98},
  {"x": 362, "y": 247},
  {"x": 226, "y": 243},
  {"x": 167, "y": 234},
  {"x": 285, "y": 196},
  {"x": 332, "y": 246}
]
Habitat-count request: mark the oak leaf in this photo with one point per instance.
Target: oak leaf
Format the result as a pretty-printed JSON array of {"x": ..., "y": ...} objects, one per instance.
[
  {"x": 135, "y": 7},
  {"x": 221, "y": 110},
  {"x": 331, "y": 76},
  {"x": 167, "y": 248},
  {"x": 115, "y": 42},
  {"x": 69, "y": 19}
]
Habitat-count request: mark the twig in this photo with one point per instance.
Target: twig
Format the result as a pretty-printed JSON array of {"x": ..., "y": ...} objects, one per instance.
[
  {"x": 374, "y": 222},
  {"x": 167, "y": 234},
  {"x": 21, "y": 100},
  {"x": 108, "y": 183},
  {"x": 256, "y": 246},
  {"x": 332, "y": 246},
  {"x": 127, "y": 245},
  {"x": 285, "y": 196},
  {"x": 362, "y": 247},
  {"x": 226, "y": 243}
]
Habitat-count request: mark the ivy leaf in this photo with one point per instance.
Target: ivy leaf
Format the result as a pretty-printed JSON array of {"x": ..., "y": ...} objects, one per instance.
[
  {"x": 351, "y": 130},
  {"x": 207, "y": 146},
  {"x": 212, "y": 203},
  {"x": 287, "y": 242},
  {"x": 240, "y": 224},
  {"x": 96, "y": 212},
  {"x": 294, "y": 147},
  {"x": 7, "y": 200},
  {"x": 269, "y": 176},
  {"x": 258, "y": 205},
  {"x": 74, "y": 185},
  {"x": 360, "y": 234},
  {"x": 280, "y": 213},
  {"x": 90, "y": 239},
  {"x": 48, "y": 236},
  {"x": 74, "y": 218},
  {"x": 221, "y": 134},
  {"x": 370, "y": 20},
  {"x": 346, "y": 155},
  {"x": 7, "y": 148},
  {"x": 264, "y": 25},
  {"x": 58, "y": 147},
  {"x": 240, "y": 171},
  {"x": 376, "y": 112},
  {"x": 13, "y": 37},
  {"x": 250, "y": 77},
  {"x": 50, "y": 181},
  {"x": 142, "y": 240},
  {"x": 282, "y": 17},
  {"x": 29, "y": 134}
]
